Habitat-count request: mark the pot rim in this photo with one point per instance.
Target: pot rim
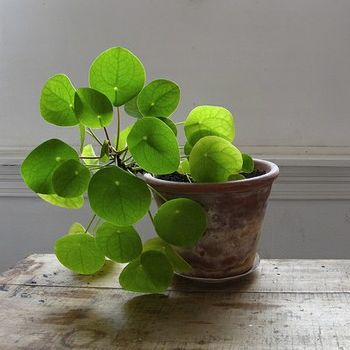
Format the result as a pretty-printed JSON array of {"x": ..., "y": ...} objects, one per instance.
[{"x": 243, "y": 185}]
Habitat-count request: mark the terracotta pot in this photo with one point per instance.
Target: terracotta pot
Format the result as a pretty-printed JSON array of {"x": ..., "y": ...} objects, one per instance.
[{"x": 235, "y": 210}]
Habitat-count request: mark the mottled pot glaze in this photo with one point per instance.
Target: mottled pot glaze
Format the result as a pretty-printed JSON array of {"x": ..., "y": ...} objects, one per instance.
[{"x": 235, "y": 210}]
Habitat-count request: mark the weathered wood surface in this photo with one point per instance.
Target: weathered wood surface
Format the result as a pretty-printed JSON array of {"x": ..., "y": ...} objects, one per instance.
[{"x": 288, "y": 304}]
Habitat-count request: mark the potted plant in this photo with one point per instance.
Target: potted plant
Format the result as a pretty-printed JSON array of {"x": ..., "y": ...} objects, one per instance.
[{"x": 211, "y": 197}]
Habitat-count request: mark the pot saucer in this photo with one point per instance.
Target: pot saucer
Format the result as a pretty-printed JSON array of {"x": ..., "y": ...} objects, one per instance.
[{"x": 224, "y": 279}]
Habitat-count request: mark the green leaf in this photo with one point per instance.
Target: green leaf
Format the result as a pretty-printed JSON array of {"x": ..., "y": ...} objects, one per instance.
[
  {"x": 170, "y": 123},
  {"x": 39, "y": 165},
  {"x": 187, "y": 148},
  {"x": 76, "y": 227},
  {"x": 69, "y": 203},
  {"x": 118, "y": 243},
  {"x": 118, "y": 73},
  {"x": 213, "y": 159},
  {"x": 131, "y": 108},
  {"x": 235, "y": 177},
  {"x": 123, "y": 137},
  {"x": 57, "y": 101},
  {"x": 88, "y": 151},
  {"x": 159, "y": 98},
  {"x": 82, "y": 135},
  {"x": 150, "y": 273},
  {"x": 104, "y": 154},
  {"x": 209, "y": 120},
  {"x": 184, "y": 167},
  {"x": 153, "y": 146},
  {"x": 180, "y": 222},
  {"x": 93, "y": 109},
  {"x": 248, "y": 163},
  {"x": 70, "y": 179},
  {"x": 79, "y": 253},
  {"x": 118, "y": 197},
  {"x": 178, "y": 263}
]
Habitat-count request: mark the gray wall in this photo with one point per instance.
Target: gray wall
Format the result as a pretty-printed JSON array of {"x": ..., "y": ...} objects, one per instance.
[{"x": 281, "y": 66}]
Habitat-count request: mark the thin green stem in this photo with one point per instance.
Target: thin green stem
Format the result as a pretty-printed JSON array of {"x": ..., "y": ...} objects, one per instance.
[
  {"x": 118, "y": 127},
  {"x": 90, "y": 223},
  {"x": 89, "y": 157},
  {"x": 151, "y": 216},
  {"x": 180, "y": 123},
  {"x": 107, "y": 136},
  {"x": 158, "y": 193},
  {"x": 91, "y": 133}
]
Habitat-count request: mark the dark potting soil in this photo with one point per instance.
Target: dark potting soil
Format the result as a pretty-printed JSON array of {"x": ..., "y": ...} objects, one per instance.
[{"x": 177, "y": 177}]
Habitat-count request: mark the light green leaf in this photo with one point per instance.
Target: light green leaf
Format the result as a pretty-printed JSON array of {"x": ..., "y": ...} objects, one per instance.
[
  {"x": 69, "y": 203},
  {"x": 79, "y": 253},
  {"x": 39, "y": 165},
  {"x": 70, "y": 179},
  {"x": 92, "y": 108},
  {"x": 213, "y": 159},
  {"x": 88, "y": 151},
  {"x": 118, "y": 197},
  {"x": 76, "y": 227},
  {"x": 209, "y": 120},
  {"x": 180, "y": 222},
  {"x": 104, "y": 154},
  {"x": 131, "y": 108},
  {"x": 57, "y": 101},
  {"x": 159, "y": 98},
  {"x": 248, "y": 163},
  {"x": 118, "y": 243},
  {"x": 235, "y": 177},
  {"x": 170, "y": 123},
  {"x": 178, "y": 263},
  {"x": 117, "y": 73},
  {"x": 184, "y": 167},
  {"x": 150, "y": 273},
  {"x": 82, "y": 135},
  {"x": 154, "y": 146},
  {"x": 123, "y": 137}
]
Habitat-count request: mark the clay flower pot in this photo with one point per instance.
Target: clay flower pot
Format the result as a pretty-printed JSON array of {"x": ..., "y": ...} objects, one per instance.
[{"x": 235, "y": 210}]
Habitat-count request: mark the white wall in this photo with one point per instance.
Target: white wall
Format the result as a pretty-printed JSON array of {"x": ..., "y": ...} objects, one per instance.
[{"x": 282, "y": 66}]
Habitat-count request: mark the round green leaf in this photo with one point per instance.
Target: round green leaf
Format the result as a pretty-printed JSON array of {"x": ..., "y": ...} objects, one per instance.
[
  {"x": 153, "y": 146},
  {"x": 93, "y": 109},
  {"x": 70, "y": 179},
  {"x": 209, "y": 120},
  {"x": 79, "y": 253},
  {"x": 213, "y": 159},
  {"x": 118, "y": 197},
  {"x": 118, "y": 243},
  {"x": 117, "y": 73},
  {"x": 178, "y": 263},
  {"x": 181, "y": 222},
  {"x": 159, "y": 98},
  {"x": 69, "y": 203},
  {"x": 150, "y": 273},
  {"x": 184, "y": 167},
  {"x": 57, "y": 101},
  {"x": 131, "y": 108},
  {"x": 248, "y": 163},
  {"x": 76, "y": 227},
  {"x": 123, "y": 137},
  {"x": 170, "y": 123},
  {"x": 39, "y": 165}
]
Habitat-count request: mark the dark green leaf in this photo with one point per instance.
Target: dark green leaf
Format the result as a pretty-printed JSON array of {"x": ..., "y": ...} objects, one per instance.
[
  {"x": 131, "y": 108},
  {"x": 170, "y": 123},
  {"x": 248, "y": 163}
]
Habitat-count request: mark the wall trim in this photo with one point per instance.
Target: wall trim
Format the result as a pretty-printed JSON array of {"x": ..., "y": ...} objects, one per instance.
[{"x": 306, "y": 173}]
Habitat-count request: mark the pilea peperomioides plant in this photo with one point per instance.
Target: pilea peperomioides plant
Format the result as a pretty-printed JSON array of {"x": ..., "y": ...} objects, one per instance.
[{"x": 112, "y": 177}]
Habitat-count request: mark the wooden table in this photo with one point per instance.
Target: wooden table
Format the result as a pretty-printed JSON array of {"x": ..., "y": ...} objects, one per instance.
[{"x": 286, "y": 304}]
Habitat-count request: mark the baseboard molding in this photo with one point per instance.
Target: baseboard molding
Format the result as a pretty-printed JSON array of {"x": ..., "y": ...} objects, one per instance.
[{"x": 306, "y": 173}]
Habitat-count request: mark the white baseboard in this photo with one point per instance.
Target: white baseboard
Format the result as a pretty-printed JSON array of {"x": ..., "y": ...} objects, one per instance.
[{"x": 306, "y": 173}]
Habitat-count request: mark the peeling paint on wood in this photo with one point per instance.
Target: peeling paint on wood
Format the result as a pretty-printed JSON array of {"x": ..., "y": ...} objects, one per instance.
[{"x": 306, "y": 306}]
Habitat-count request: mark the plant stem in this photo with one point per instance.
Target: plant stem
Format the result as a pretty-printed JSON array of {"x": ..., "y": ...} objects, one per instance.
[
  {"x": 180, "y": 123},
  {"x": 118, "y": 128},
  {"x": 90, "y": 223},
  {"x": 91, "y": 133},
  {"x": 158, "y": 194},
  {"x": 89, "y": 157},
  {"x": 150, "y": 216},
  {"x": 107, "y": 136}
]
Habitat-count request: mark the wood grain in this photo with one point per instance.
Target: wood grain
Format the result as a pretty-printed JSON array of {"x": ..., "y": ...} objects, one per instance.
[{"x": 289, "y": 304}]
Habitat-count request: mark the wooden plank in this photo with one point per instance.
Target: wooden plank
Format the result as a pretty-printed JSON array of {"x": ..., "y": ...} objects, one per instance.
[
  {"x": 35, "y": 318},
  {"x": 276, "y": 275}
]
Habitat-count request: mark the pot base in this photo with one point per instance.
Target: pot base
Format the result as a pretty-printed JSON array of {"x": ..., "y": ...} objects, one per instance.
[{"x": 224, "y": 279}]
